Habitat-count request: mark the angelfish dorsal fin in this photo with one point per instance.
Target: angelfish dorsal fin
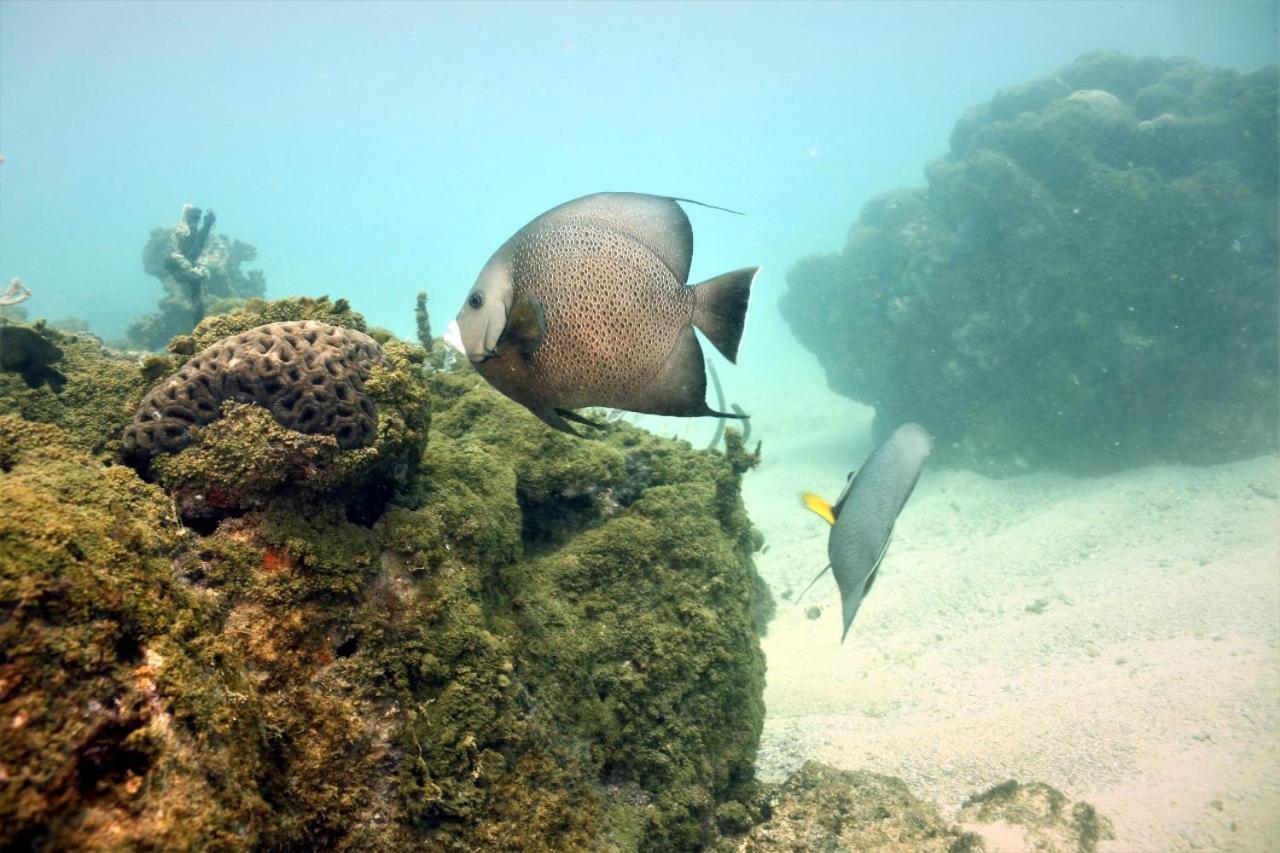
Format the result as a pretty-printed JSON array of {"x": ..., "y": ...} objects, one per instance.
[
  {"x": 819, "y": 506},
  {"x": 657, "y": 222},
  {"x": 844, "y": 495},
  {"x": 526, "y": 324}
]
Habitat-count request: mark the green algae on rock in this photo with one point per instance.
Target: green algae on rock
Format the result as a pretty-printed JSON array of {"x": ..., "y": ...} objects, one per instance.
[
  {"x": 1087, "y": 283},
  {"x": 1038, "y": 816},
  {"x": 518, "y": 641},
  {"x": 103, "y": 748},
  {"x": 821, "y": 808},
  {"x": 94, "y": 404}
]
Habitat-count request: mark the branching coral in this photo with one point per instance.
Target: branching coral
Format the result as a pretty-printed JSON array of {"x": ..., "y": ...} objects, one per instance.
[
  {"x": 201, "y": 274},
  {"x": 16, "y": 292}
]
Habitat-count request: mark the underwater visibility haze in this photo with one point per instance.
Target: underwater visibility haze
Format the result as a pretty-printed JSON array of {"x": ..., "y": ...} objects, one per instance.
[{"x": 393, "y": 456}]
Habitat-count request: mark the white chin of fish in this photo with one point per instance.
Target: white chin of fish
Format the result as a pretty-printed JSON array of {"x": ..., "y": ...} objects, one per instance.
[{"x": 453, "y": 337}]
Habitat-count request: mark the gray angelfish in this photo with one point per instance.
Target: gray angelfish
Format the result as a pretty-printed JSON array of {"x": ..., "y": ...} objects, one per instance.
[
  {"x": 589, "y": 305},
  {"x": 863, "y": 517}
]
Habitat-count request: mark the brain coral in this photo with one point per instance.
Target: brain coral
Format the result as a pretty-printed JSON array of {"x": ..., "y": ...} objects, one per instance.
[
  {"x": 1087, "y": 283},
  {"x": 309, "y": 375}
]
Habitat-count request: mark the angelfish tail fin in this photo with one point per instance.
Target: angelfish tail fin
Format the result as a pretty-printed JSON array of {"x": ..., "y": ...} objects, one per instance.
[
  {"x": 720, "y": 309},
  {"x": 818, "y": 506}
]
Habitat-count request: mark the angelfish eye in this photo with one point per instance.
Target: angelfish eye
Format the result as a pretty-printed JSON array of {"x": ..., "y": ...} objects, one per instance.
[{"x": 475, "y": 300}]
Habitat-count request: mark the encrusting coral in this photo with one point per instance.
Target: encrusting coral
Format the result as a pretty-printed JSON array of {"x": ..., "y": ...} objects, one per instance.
[{"x": 309, "y": 375}]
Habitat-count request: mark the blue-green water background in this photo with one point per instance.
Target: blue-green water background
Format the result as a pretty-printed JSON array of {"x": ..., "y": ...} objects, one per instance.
[{"x": 371, "y": 150}]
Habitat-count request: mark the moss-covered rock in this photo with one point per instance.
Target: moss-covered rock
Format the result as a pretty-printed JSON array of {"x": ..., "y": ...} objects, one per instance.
[
  {"x": 1087, "y": 283},
  {"x": 821, "y": 808},
  {"x": 1038, "y": 816},
  {"x": 526, "y": 641},
  {"x": 102, "y": 388},
  {"x": 125, "y": 713}
]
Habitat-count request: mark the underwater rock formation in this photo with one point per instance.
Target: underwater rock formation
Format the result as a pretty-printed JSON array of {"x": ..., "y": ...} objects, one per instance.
[
  {"x": 309, "y": 375},
  {"x": 1041, "y": 817},
  {"x": 501, "y": 638},
  {"x": 821, "y": 808},
  {"x": 201, "y": 275},
  {"x": 1087, "y": 283}
]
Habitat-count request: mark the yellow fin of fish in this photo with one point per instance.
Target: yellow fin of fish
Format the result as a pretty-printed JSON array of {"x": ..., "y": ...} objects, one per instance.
[{"x": 818, "y": 505}]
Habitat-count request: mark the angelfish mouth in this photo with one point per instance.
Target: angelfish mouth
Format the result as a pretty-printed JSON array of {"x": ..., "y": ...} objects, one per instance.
[{"x": 453, "y": 338}]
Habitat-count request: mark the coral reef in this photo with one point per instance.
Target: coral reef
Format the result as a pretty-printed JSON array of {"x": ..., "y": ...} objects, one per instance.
[
  {"x": 309, "y": 375},
  {"x": 201, "y": 275},
  {"x": 1087, "y": 283},
  {"x": 503, "y": 638}
]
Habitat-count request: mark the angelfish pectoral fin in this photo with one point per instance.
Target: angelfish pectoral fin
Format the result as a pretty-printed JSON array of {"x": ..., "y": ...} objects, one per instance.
[{"x": 526, "y": 324}]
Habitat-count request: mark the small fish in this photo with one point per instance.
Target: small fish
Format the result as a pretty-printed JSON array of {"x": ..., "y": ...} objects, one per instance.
[
  {"x": 589, "y": 305},
  {"x": 862, "y": 519}
]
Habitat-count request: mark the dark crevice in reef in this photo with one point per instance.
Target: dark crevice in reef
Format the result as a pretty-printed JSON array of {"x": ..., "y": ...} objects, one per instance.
[
  {"x": 104, "y": 758},
  {"x": 367, "y": 505},
  {"x": 205, "y": 523}
]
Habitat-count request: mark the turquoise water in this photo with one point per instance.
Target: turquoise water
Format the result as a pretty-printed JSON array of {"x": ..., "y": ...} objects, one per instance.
[
  {"x": 1115, "y": 635},
  {"x": 373, "y": 150}
]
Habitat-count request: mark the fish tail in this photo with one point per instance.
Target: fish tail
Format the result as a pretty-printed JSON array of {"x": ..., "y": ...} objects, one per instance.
[{"x": 720, "y": 309}]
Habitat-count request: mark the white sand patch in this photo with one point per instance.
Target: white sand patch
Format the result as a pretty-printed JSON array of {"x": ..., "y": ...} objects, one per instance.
[{"x": 1118, "y": 638}]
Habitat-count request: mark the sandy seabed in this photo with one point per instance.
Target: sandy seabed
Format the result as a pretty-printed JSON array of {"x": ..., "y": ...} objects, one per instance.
[{"x": 1117, "y": 637}]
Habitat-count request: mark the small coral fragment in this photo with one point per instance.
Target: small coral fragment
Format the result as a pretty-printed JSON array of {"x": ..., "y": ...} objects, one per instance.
[
  {"x": 309, "y": 375},
  {"x": 15, "y": 293}
]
